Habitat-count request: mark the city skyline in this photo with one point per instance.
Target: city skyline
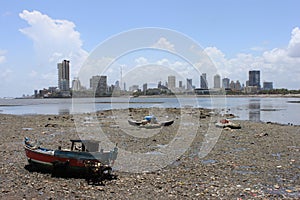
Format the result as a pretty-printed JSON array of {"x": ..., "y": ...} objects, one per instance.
[
  {"x": 99, "y": 86},
  {"x": 40, "y": 34},
  {"x": 99, "y": 82}
]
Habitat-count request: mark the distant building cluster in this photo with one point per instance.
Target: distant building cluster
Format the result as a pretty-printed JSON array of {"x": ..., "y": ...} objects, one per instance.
[{"x": 99, "y": 87}]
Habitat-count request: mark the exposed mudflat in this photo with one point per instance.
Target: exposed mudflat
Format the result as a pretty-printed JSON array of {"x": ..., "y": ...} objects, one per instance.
[{"x": 258, "y": 161}]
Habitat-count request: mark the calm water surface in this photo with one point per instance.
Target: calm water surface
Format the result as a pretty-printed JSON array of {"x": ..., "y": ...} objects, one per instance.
[{"x": 279, "y": 110}]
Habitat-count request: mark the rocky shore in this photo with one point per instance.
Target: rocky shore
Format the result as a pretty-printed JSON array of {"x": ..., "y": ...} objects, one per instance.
[{"x": 258, "y": 161}]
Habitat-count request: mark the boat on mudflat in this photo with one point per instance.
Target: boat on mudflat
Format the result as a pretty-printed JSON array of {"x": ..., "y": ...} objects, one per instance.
[
  {"x": 224, "y": 123},
  {"x": 83, "y": 156},
  {"x": 150, "y": 122}
]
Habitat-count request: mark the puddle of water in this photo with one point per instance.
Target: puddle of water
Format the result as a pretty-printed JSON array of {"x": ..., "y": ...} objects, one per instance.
[
  {"x": 176, "y": 163},
  {"x": 244, "y": 172},
  {"x": 236, "y": 150},
  {"x": 187, "y": 124},
  {"x": 27, "y": 129},
  {"x": 154, "y": 153},
  {"x": 210, "y": 161},
  {"x": 278, "y": 155},
  {"x": 161, "y": 145},
  {"x": 244, "y": 169}
]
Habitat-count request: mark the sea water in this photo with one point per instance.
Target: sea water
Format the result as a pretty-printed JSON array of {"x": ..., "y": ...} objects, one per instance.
[{"x": 278, "y": 110}]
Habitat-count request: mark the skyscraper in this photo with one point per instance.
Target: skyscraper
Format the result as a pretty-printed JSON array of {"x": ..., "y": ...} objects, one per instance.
[
  {"x": 232, "y": 85},
  {"x": 94, "y": 81},
  {"x": 254, "y": 78},
  {"x": 203, "y": 81},
  {"x": 238, "y": 86},
  {"x": 99, "y": 84},
  {"x": 145, "y": 87},
  {"x": 217, "y": 81},
  {"x": 76, "y": 85},
  {"x": 225, "y": 83},
  {"x": 64, "y": 75},
  {"x": 180, "y": 84},
  {"x": 268, "y": 85},
  {"x": 102, "y": 86},
  {"x": 171, "y": 82},
  {"x": 189, "y": 84}
]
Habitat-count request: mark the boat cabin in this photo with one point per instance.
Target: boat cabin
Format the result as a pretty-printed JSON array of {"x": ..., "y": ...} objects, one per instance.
[{"x": 85, "y": 145}]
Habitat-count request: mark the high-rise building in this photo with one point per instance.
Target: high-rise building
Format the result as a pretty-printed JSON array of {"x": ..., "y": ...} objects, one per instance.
[
  {"x": 159, "y": 85},
  {"x": 99, "y": 84},
  {"x": 225, "y": 83},
  {"x": 76, "y": 85},
  {"x": 102, "y": 86},
  {"x": 180, "y": 84},
  {"x": 64, "y": 75},
  {"x": 171, "y": 82},
  {"x": 117, "y": 84},
  {"x": 232, "y": 85},
  {"x": 268, "y": 85},
  {"x": 217, "y": 81},
  {"x": 203, "y": 81},
  {"x": 189, "y": 84},
  {"x": 254, "y": 78},
  {"x": 235, "y": 86},
  {"x": 145, "y": 87},
  {"x": 238, "y": 86},
  {"x": 94, "y": 81}
]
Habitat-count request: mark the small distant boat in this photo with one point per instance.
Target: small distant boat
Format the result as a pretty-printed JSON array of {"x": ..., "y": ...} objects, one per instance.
[
  {"x": 83, "y": 156},
  {"x": 150, "y": 122},
  {"x": 224, "y": 123}
]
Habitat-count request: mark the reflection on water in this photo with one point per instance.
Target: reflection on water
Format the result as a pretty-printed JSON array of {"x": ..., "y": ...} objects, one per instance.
[
  {"x": 64, "y": 111},
  {"x": 254, "y": 110}
]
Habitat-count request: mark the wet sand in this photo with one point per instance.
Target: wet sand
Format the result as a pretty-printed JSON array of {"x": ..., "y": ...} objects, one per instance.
[{"x": 258, "y": 161}]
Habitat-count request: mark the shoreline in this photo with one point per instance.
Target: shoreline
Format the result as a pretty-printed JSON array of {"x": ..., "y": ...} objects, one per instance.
[{"x": 178, "y": 95}]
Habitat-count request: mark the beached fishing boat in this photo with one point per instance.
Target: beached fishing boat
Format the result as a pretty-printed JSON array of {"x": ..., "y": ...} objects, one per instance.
[
  {"x": 84, "y": 155},
  {"x": 224, "y": 123},
  {"x": 150, "y": 122}
]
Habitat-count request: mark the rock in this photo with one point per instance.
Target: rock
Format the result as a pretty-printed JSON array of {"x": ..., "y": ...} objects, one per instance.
[{"x": 276, "y": 186}]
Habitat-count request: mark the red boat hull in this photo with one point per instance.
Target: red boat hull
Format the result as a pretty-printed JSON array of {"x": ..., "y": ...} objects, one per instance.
[{"x": 49, "y": 160}]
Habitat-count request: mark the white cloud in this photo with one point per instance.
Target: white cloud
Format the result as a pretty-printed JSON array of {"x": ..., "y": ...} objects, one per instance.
[
  {"x": 2, "y": 56},
  {"x": 54, "y": 40},
  {"x": 163, "y": 62},
  {"x": 294, "y": 44},
  {"x": 163, "y": 43},
  {"x": 141, "y": 61}
]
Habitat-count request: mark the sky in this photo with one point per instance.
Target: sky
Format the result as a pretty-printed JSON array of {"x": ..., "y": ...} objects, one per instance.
[{"x": 237, "y": 36}]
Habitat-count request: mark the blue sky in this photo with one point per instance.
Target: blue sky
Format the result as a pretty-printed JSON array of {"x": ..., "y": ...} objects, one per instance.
[{"x": 237, "y": 35}]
